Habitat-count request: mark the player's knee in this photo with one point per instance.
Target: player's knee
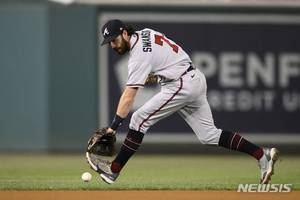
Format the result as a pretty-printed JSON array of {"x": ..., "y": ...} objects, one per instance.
[
  {"x": 137, "y": 123},
  {"x": 210, "y": 138},
  {"x": 207, "y": 142},
  {"x": 133, "y": 122}
]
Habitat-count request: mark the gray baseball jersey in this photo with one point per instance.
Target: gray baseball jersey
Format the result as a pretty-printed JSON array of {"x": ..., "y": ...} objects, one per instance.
[
  {"x": 154, "y": 54},
  {"x": 183, "y": 86}
]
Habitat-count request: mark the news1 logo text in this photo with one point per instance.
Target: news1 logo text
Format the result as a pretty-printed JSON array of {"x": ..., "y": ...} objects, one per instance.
[{"x": 264, "y": 187}]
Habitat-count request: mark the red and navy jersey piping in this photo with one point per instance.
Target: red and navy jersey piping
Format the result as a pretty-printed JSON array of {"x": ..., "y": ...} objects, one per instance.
[
  {"x": 132, "y": 85},
  {"x": 137, "y": 39}
]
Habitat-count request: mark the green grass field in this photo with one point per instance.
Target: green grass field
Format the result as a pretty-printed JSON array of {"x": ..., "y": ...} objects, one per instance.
[{"x": 142, "y": 172}]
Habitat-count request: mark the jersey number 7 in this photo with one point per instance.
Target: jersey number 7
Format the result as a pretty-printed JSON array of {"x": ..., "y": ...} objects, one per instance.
[{"x": 159, "y": 40}]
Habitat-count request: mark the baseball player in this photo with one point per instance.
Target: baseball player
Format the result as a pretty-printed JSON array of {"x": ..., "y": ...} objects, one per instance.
[{"x": 154, "y": 56}]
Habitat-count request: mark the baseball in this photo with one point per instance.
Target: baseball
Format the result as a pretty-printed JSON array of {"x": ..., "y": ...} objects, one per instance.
[{"x": 86, "y": 176}]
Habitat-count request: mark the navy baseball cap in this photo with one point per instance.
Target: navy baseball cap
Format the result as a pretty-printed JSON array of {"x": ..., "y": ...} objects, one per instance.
[{"x": 111, "y": 30}]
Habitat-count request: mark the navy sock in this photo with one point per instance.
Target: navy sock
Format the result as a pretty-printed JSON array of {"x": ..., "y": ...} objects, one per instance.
[
  {"x": 234, "y": 141},
  {"x": 131, "y": 144}
]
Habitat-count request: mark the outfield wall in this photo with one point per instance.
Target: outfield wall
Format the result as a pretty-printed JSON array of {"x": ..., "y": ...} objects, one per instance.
[
  {"x": 48, "y": 56},
  {"x": 55, "y": 80}
]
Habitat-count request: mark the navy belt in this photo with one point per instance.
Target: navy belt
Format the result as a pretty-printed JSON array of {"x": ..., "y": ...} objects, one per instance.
[{"x": 188, "y": 70}]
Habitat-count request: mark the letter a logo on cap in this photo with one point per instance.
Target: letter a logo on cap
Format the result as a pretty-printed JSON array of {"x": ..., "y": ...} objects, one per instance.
[
  {"x": 111, "y": 30},
  {"x": 105, "y": 32}
]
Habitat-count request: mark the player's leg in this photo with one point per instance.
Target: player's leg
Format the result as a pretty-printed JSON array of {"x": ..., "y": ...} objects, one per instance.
[
  {"x": 201, "y": 121},
  {"x": 162, "y": 105},
  {"x": 131, "y": 144},
  {"x": 198, "y": 115}
]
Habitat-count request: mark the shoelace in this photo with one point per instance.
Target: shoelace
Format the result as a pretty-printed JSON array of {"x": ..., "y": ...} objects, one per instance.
[
  {"x": 106, "y": 162},
  {"x": 98, "y": 160}
]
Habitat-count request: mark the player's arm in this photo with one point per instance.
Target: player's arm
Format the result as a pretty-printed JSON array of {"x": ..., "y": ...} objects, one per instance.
[
  {"x": 124, "y": 107},
  {"x": 126, "y": 101}
]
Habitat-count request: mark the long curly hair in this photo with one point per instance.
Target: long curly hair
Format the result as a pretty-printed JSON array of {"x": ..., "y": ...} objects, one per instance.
[{"x": 130, "y": 29}]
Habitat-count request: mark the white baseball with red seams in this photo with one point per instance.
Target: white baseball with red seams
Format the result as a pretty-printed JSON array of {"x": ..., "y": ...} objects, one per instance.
[
  {"x": 86, "y": 177},
  {"x": 182, "y": 90}
]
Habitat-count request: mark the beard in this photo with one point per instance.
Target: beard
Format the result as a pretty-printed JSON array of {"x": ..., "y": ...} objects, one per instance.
[{"x": 123, "y": 47}]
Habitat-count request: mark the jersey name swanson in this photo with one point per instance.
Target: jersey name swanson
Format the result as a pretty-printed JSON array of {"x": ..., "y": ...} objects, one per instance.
[{"x": 146, "y": 41}]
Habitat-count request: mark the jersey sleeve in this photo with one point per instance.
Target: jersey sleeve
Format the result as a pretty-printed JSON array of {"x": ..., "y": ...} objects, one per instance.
[{"x": 138, "y": 72}]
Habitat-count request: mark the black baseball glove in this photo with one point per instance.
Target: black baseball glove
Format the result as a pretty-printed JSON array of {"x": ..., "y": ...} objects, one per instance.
[{"x": 102, "y": 143}]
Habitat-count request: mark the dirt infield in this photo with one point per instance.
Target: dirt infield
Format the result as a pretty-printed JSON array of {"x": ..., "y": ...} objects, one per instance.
[{"x": 145, "y": 195}]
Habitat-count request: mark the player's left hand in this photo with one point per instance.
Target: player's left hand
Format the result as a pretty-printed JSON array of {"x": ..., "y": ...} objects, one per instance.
[
  {"x": 102, "y": 143},
  {"x": 151, "y": 79}
]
